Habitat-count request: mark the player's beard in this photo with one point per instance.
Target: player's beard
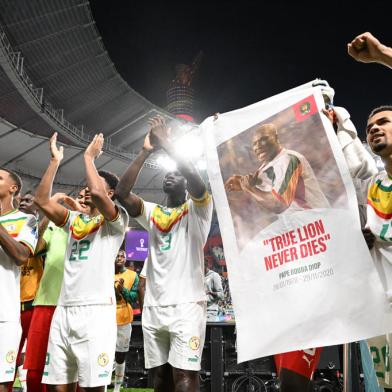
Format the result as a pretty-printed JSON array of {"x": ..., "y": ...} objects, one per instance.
[{"x": 379, "y": 147}]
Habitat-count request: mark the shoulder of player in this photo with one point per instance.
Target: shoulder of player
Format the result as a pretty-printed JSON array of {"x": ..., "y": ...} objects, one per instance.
[{"x": 20, "y": 218}]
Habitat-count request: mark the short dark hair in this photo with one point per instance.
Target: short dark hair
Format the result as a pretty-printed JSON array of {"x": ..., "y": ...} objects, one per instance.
[
  {"x": 15, "y": 177},
  {"x": 110, "y": 178},
  {"x": 379, "y": 109}
]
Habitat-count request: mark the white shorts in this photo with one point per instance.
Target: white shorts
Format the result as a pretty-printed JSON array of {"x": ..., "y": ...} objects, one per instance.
[
  {"x": 81, "y": 345},
  {"x": 10, "y": 333},
  {"x": 174, "y": 334},
  {"x": 123, "y": 337}
]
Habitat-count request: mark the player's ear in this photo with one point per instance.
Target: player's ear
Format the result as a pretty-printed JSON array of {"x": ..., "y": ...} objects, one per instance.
[{"x": 14, "y": 189}]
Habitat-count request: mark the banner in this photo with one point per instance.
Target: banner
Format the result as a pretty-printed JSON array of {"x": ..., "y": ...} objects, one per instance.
[{"x": 299, "y": 270}]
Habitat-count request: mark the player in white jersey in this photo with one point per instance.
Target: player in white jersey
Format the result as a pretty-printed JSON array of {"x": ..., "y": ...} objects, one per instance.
[
  {"x": 284, "y": 181},
  {"x": 376, "y": 194},
  {"x": 174, "y": 312},
  {"x": 83, "y": 330},
  {"x": 18, "y": 238}
]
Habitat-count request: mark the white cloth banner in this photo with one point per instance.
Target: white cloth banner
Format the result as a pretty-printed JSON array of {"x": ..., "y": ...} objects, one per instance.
[{"x": 299, "y": 269}]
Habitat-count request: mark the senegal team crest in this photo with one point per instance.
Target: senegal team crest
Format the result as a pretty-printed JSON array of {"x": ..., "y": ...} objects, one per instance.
[
  {"x": 194, "y": 343},
  {"x": 103, "y": 359},
  {"x": 305, "y": 108},
  {"x": 10, "y": 357}
]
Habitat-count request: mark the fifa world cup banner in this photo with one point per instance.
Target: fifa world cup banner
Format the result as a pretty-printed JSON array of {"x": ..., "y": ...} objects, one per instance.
[{"x": 299, "y": 270}]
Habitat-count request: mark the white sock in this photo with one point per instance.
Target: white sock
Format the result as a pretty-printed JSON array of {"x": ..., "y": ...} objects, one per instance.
[
  {"x": 119, "y": 376},
  {"x": 22, "y": 377}
]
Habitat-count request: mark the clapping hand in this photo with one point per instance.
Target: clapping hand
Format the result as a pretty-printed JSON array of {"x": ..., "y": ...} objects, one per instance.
[
  {"x": 94, "y": 149},
  {"x": 57, "y": 153},
  {"x": 159, "y": 132}
]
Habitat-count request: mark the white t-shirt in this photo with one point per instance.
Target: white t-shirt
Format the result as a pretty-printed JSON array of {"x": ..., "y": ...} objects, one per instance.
[
  {"x": 93, "y": 243},
  {"x": 23, "y": 228},
  {"x": 291, "y": 180},
  {"x": 175, "y": 266}
]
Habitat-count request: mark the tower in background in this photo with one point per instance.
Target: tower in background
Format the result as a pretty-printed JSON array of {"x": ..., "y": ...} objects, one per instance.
[{"x": 180, "y": 94}]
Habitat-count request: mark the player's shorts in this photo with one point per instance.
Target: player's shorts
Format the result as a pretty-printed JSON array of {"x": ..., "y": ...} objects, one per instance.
[
  {"x": 174, "y": 334},
  {"x": 37, "y": 339},
  {"x": 123, "y": 337},
  {"x": 81, "y": 346},
  {"x": 10, "y": 332},
  {"x": 303, "y": 362}
]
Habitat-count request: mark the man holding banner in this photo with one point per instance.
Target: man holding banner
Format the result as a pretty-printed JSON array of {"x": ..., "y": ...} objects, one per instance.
[{"x": 374, "y": 194}]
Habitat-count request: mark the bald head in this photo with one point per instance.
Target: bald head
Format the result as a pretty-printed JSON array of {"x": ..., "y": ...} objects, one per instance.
[{"x": 265, "y": 142}]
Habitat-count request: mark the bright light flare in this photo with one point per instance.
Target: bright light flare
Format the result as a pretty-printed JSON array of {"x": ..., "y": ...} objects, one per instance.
[
  {"x": 166, "y": 163},
  {"x": 189, "y": 146}
]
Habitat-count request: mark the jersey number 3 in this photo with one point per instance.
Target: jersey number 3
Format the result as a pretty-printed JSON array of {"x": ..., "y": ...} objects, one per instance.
[{"x": 166, "y": 239}]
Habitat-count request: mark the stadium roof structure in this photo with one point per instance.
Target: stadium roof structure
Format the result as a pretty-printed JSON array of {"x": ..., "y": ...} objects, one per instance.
[{"x": 55, "y": 74}]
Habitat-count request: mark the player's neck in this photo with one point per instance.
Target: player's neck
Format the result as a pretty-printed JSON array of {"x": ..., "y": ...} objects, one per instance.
[
  {"x": 118, "y": 270},
  {"x": 93, "y": 212},
  {"x": 388, "y": 164},
  {"x": 175, "y": 200},
  {"x": 6, "y": 205}
]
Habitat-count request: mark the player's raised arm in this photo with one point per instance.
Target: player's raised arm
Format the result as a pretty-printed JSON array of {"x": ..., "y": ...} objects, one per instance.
[
  {"x": 159, "y": 137},
  {"x": 368, "y": 49},
  {"x": 132, "y": 203},
  {"x": 54, "y": 211},
  {"x": 96, "y": 185}
]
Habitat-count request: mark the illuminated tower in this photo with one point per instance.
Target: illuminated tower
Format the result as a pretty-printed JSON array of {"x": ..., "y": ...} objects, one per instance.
[{"x": 180, "y": 93}]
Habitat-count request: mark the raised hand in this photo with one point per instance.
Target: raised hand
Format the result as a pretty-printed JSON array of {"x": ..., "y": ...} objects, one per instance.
[
  {"x": 330, "y": 113},
  {"x": 366, "y": 48},
  {"x": 94, "y": 149},
  {"x": 159, "y": 133},
  {"x": 147, "y": 143},
  {"x": 57, "y": 153}
]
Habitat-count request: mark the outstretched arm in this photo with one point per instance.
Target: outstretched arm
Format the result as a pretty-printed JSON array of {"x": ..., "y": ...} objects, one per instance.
[
  {"x": 96, "y": 185},
  {"x": 160, "y": 138},
  {"x": 54, "y": 211},
  {"x": 131, "y": 202},
  {"x": 368, "y": 49}
]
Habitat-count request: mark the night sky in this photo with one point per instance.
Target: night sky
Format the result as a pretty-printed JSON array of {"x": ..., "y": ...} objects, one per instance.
[{"x": 249, "y": 54}]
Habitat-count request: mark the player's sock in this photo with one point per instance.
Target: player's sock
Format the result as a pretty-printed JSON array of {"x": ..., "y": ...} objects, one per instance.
[
  {"x": 34, "y": 381},
  {"x": 22, "y": 377},
  {"x": 119, "y": 376}
]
